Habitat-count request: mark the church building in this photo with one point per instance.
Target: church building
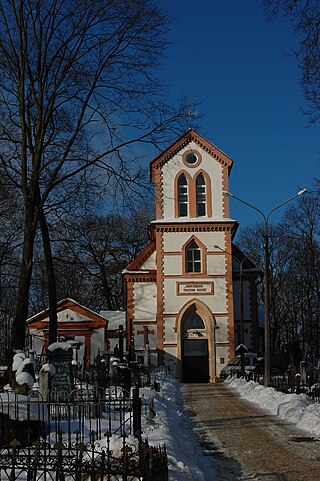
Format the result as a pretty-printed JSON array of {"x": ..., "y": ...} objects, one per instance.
[{"x": 183, "y": 288}]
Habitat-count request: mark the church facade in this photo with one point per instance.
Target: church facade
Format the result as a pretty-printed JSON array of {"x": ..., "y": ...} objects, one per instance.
[{"x": 183, "y": 289}]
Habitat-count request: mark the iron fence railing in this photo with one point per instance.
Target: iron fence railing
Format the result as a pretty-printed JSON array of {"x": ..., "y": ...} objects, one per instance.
[
  {"x": 94, "y": 460},
  {"x": 96, "y": 435},
  {"x": 283, "y": 380}
]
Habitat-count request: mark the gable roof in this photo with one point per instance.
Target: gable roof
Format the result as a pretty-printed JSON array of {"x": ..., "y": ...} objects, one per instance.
[
  {"x": 190, "y": 136},
  {"x": 141, "y": 258},
  {"x": 73, "y": 305}
]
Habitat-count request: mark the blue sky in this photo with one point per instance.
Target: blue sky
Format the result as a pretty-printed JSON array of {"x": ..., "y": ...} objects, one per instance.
[{"x": 227, "y": 56}]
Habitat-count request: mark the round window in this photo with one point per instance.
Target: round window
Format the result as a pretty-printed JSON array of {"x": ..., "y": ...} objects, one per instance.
[{"x": 191, "y": 158}]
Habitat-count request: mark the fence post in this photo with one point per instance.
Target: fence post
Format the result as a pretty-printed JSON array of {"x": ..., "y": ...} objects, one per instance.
[{"x": 136, "y": 407}]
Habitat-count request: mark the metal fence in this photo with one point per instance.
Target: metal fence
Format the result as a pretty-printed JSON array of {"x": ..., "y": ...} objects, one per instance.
[
  {"x": 94, "y": 436},
  {"x": 284, "y": 380}
]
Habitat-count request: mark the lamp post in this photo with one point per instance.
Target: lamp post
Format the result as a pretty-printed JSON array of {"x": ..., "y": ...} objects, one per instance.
[
  {"x": 266, "y": 218},
  {"x": 240, "y": 262}
]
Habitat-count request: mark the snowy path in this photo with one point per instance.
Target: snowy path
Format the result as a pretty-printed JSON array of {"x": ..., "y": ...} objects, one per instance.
[{"x": 244, "y": 443}]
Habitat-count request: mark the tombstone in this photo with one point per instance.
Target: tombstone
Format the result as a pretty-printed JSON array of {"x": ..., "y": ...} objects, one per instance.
[
  {"x": 292, "y": 375},
  {"x": 120, "y": 336},
  {"x": 147, "y": 356},
  {"x": 298, "y": 382},
  {"x": 45, "y": 376},
  {"x": 303, "y": 372},
  {"x": 132, "y": 353},
  {"x": 60, "y": 356}
]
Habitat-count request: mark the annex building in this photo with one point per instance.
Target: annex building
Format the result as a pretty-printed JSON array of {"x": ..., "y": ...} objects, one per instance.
[{"x": 183, "y": 289}]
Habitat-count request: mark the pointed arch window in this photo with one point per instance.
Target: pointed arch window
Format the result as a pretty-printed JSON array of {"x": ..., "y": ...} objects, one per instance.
[
  {"x": 193, "y": 321},
  {"x": 182, "y": 196},
  {"x": 201, "y": 198},
  {"x": 193, "y": 257}
]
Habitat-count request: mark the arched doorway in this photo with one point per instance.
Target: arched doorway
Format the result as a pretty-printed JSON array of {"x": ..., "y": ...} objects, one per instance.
[
  {"x": 195, "y": 327},
  {"x": 195, "y": 355}
]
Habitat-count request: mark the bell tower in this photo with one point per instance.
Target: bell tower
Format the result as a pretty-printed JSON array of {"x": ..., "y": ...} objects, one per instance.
[{"x": 180, "y": 286}]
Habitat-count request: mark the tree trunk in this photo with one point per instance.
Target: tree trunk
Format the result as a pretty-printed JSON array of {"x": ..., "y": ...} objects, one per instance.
[
  {"x": 19, "y": 323},
  {"x": 52, "y": 291}
]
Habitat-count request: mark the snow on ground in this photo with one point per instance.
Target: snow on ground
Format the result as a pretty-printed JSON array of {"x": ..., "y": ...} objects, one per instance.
[
  {"x": 171, "y": 427},
  {"x": 298, "y": 409}
]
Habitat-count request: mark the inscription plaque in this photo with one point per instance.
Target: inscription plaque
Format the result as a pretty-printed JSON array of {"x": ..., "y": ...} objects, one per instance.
[{"x": 187, "y": 288}]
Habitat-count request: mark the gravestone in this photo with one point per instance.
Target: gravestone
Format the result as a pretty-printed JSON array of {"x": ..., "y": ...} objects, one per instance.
[
  {"x": 303, "y": 372},
  {"x": 147, "y": 356},
  {"x": 60, "y": 356}
]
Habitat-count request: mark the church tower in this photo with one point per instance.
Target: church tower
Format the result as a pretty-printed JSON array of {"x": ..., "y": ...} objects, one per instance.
[{"x": 180, "y": 287}]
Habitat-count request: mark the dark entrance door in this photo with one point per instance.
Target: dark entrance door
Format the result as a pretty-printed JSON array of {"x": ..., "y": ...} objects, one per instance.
[{"x": 195, "y": 360}]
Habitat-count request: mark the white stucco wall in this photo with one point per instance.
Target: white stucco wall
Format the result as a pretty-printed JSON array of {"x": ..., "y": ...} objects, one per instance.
[
  {"x": 208, "y": 164},
  {"x": 37, "y": 340},
  {"x": 216, "y": 264},
  {"x": 70, "y": 315},
  {"x": 221, "y": 352},
  {"x": 145, "y": 301},
  {"x": 173, "y": 265},
  {"x": 150, "y": 263},
  {"x": 221, "y": 332},
  {"x": 169, "y": 332},
  {"x": 174, "y": 241},
  {"x": 97, "y": 343}
]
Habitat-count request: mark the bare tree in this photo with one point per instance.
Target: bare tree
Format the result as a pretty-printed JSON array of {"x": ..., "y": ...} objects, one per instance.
[
  {"x": 304, "y": 16},
  {"x": 76, "y": 88},
  {"x": 10, "y": 239},
  {"x": 94, "y": 251},
  {"x": 302, "y": 225},
  {"x": 295, "y": 276},
  {"x": 251, "y": 241}
]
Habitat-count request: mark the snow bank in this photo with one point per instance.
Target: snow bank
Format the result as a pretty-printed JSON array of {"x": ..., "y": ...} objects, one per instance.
[
  {"x": 299, "y": 409},
  {"x": 170, "y": 426}
]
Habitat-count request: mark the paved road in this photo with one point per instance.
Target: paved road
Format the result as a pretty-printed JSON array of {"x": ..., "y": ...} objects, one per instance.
[{"x": 243, "y": 443}]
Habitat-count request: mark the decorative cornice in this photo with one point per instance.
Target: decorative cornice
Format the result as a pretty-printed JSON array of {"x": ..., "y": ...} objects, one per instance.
[
  {"x": 140, "y": 277},
  {"x": 221, "y": 227}
]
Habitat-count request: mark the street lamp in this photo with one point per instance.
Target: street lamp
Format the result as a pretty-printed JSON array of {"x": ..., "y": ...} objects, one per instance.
[
  {"x": 240, "y": 262},
  {"x": 266, "y": 218}
]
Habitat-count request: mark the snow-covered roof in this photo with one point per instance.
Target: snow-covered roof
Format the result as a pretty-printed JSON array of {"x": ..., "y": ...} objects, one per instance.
[{"x": 65, "y": 304}]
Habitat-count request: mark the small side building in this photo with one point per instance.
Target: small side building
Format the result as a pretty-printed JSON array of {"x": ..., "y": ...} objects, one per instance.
[{"x": 85, "y": 325}]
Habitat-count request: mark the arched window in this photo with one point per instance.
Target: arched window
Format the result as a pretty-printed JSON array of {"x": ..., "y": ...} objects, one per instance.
[
  {"x": 193, "y": 257},
  {"x": 193, "y": 321},
  {"x": 201, "y": 196},
  {"x": 182, "y": 196}
]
